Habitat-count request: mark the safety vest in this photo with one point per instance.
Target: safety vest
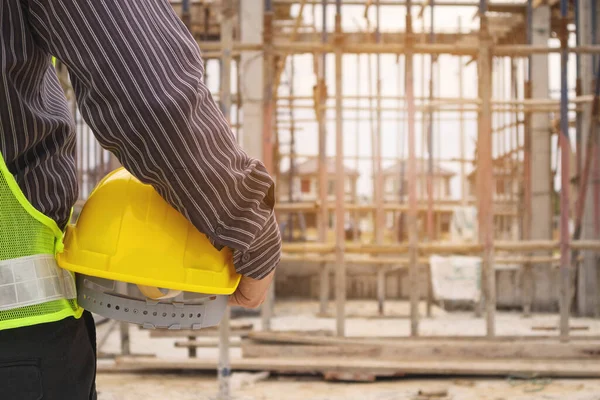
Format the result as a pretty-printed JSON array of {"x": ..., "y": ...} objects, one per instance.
[{"x": 33, "y": 289}]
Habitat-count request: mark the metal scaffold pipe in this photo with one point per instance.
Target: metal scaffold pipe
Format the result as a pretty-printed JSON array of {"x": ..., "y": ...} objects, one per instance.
[
  {"x": 321, "y": 98},
  {"x": 565, "y": 150},
  {"x": 485, "y": 169},
  {"x": 340, "y": 276},
  {"x": 430, "y": 127},
  {"x": 412, "y": 179},
  {"x": 224, "y": 368}
]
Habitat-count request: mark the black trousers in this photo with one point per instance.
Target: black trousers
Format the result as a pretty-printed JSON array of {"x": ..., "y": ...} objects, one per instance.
[{"x": 54, "y": 361}]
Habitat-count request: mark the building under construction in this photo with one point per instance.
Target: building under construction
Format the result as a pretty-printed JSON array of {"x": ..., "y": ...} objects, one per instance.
[{"x": 407, "y": 137}]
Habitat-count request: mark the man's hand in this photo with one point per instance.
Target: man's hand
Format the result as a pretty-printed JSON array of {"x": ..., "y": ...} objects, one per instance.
[{"x": 251, "y": 293}]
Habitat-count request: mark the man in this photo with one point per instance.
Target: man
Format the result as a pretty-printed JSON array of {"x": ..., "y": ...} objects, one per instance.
[{"x": 138, "y": 79}]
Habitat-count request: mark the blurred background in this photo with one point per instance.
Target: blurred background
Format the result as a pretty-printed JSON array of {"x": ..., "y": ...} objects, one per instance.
[{"x": 437, "y": 166}]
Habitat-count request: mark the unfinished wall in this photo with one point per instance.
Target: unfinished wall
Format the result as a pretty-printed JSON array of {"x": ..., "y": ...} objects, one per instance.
[{"x": 544, "y": 289}]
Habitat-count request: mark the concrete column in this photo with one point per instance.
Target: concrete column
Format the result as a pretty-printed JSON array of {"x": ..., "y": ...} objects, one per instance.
[
  {"x": 540, "y": 130},
  {"x": 587, "y": 274},
  {"x": 541, "y": 154},
  {"x": 251, "y": 25}
]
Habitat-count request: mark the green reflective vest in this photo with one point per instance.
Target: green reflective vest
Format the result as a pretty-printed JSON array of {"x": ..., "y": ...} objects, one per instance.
[{"x": 33, "y": 289}]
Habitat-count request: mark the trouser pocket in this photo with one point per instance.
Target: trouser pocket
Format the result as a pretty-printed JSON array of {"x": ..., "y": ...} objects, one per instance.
[{"x": 20, "y": 380}]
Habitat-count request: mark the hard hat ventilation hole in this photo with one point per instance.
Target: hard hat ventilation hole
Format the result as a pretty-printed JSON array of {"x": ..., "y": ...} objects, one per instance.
[
  {"x": 117, "y": 308},
  {"x": 164, "y": 314},
  {"x": 145, "y": 312},
  {"x": 191, "y": 315},
  {"x": 173, "y": 315},
  {"x": 126, "y": 309},
  {"x": 199, "y": 315},
  {"x": 135, "y": 311},
  {"x": 154, "y": 313},
  {"x": 182, "y": 315},
  {"x": 108, "y": 305}
]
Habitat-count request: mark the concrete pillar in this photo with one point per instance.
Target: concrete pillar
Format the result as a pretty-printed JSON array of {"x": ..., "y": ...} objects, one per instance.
[
  {"x": 540, "y": 130},
  {"x": 587, "y": 274},
  {"x": 251, "y": 22},
  {"x": 541, "y": 177}
]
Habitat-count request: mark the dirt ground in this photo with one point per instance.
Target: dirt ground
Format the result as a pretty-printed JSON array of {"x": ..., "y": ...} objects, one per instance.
[
  {"x": 363, "y": 322},
  {"x": 204, "y": 387}
]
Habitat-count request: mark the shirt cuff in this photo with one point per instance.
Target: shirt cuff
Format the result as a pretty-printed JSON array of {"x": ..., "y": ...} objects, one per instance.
[{"x": 263, "y": 254}]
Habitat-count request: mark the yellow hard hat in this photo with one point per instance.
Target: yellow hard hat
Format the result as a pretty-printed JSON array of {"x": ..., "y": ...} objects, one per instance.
[{"x": 127, "y": 232}]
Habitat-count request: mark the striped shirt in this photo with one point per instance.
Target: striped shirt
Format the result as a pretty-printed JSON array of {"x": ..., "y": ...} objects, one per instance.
[{"x": 137, "y": 75}]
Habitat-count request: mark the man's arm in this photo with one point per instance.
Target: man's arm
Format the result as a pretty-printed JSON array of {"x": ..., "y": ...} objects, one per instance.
[{"x": 138, "y": 78}]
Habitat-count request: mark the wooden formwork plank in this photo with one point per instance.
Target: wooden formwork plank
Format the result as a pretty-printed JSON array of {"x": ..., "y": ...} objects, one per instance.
[
  {"x": 236, "y": 330},
  {"x": 163, "y": 333},
  {"x": 431, "y": 350},
  {"x": 307, "y": 338},
  {"x": 546, "y": 368},
  {"x": 209, "y": 343}
]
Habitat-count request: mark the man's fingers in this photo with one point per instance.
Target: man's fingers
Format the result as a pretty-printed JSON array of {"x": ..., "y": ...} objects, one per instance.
[{"x": 251, "y": 293}]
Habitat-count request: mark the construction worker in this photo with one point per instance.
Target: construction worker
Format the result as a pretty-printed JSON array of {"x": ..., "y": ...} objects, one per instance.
[{"x": 137, "y": 76}]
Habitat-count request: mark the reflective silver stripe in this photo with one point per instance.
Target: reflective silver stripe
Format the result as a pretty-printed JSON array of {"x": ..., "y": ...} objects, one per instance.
[{"x": 32, "y": 280}]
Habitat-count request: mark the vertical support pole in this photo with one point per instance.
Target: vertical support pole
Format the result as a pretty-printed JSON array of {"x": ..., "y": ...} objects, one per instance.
[
  {"x": 565, "y": 151},
  {"x": 324, "y": 289},
  {"x": 540, "y": 167},
  {"x": 124, "y": 326},
  {"x": 430, "y": 216},
  {"x": 224, "y": 371},
  {"x": 401, "y": 151},
  {"x": 292, "y": 170},
  {"x": 412, "y": 178},
  {"x": 596, "y": 178},
  {"x": 485, "y": 170},
  {"x": 377, "y": 143},
  {"x": 192, "y": 351},
  {"x": 528, "y": 286},
  {"x": 461, "y": 120},
  {"x": 268, "y": 125},
  {"x": 269, "y": 104},
  {"x": 238, "y": 107},
  {"x": 380, "y": 290},
  {"x": 380, "y": 221},
  {"x": 514, "y": 140},
  {"x": 356, "y": 222},
  {"x": 185, "y": 13},
  {"x": 578, "y": 90},
  {"x": 322, "y": 163},
  {"x": 227, "y": 11},
  {"x": 252, "y": 64},
  {"x": 421, "y": 188},
  {"x": 340, "y": 279}
]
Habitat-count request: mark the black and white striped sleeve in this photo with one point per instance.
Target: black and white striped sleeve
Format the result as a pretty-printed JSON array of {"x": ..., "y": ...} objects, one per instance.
[{"x": 138, "y": 77}]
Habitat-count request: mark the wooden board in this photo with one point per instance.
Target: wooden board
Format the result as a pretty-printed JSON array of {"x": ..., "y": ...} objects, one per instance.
[
  {"x": 554, "y": 328},
  {"x": 236, "y": 330},
  {"x": 208, "y": 343},
  {"x": 188, "y": 333},
  {"x": 430, "y": 350},
  {"x": 545, "y": 368},
  {"x": 307, "y": 338}
]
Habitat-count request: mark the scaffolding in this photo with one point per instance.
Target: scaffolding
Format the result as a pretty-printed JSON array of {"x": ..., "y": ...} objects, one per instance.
[{"x": 506, "y": 109}]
